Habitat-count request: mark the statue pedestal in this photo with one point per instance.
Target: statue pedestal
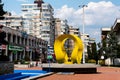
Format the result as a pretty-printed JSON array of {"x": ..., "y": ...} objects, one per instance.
[
  {"x": 76, "y": 68},
  {"x": 6, "y": 67}
]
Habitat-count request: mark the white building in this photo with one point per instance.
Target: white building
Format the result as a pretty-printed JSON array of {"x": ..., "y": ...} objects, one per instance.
[
  {"x": 116, "y": 28},
  {"x": 74, "y": 31},
  {"x": 104, "y": 32},
  {"x": 47, "y": 20},
  {"x": 86, "y": 41},
  {"x": 38, "y": 20},
  {"x": 12, "y": 21},
  {"x": 31, "y": 19},
  {"x": 61, "y": 27}
]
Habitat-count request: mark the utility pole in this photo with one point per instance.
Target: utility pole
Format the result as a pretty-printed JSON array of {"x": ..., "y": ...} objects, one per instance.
[{"x": 83, "y": 19}]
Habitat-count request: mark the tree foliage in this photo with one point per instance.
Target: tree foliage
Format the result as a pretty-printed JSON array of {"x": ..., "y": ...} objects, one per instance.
[
  {"x": 92, "y": 51},
  {"x": 2, "y": 12},
  {"x": 112, "y": 48},
  {"x": 89, "y": 52}
]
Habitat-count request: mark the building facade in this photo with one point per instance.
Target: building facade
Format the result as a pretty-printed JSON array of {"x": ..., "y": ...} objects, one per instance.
[
  {"x": 61, "y": 27},
  {"x": 38, "y": 20},
  {"x": 23, "y": 46},
  {"x": 12, "y": 21},
  {"x": 48, "y": 27},
  {"x": 104, "y": 32},
  {"x": 116, "y": 29},
  {"x": 86, "y": 38},
  {"x": 31, "y": 19}
]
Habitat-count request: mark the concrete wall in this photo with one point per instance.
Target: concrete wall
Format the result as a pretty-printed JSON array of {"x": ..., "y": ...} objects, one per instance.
[
  {"x": 117, "y": 61},
  {"x": 108, "y": 61},
  {"x": 6, "y": 67}
]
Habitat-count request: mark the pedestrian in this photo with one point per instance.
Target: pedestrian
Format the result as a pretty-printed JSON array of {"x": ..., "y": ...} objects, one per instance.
[{"x": 36, "y": 63}]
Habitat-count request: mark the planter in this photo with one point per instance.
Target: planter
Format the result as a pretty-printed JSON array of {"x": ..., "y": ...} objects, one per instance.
[{"x": 6, "y": 67}]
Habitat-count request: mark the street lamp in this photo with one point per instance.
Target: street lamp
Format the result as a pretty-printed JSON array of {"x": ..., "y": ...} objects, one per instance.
[{"x": 83, "y": 6}]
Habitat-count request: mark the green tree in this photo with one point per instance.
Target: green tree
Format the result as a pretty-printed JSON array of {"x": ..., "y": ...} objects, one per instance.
[
  {"x": 2, "y": 12},
  {"x": 90, "y": 56},
  {"x": 118, "y": 51},
  {"x": 112, "y": 45},
  {"x": 94, "y": 52}
]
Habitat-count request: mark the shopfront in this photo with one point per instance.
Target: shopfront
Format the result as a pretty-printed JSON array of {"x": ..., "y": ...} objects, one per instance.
[
  {"x": 15, "y": 53},
  {"x": 3, "y": 49}
]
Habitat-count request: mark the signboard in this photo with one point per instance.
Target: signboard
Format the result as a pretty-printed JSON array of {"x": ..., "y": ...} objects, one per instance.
[
  {"x": 27, "y": 48},
  {"x": 50, "y": 50},
  {"x": 0, "y": 47},
  {"x": 3, "y": 47},
  {"x": 49, "y": 57},
  {"x": 14, "y": 52},
  {"x": 15, "y": 48}
]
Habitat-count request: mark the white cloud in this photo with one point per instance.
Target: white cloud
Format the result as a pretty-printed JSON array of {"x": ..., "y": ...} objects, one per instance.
[
  {"x": 101, "y": 13},
  {"x": 23, "y": 0},
  {"x": 64, "y": 12},
  {"x": 13, "y": 13},
  {"x": 97, "y": 15},
  {"x": 95, "y": 33}
]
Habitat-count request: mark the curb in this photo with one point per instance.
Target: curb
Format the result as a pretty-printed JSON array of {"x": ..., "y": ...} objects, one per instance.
[{"x": 38, "y": 76}]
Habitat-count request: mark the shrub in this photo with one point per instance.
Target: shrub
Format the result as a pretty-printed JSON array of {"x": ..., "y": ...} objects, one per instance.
[
  {"x": 27, "y": 62},
  {"x": 102, "y": 62},
  {"x": 91, "y": 61},
  {"x": 27, "y": 58},
  {"x": 22, "y": 61},
  {"x": 16, "y": 61}
]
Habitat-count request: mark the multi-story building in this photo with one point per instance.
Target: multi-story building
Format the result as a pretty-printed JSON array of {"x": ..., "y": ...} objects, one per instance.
[
  {"x": 91, "y": 40},
  {"x": 12, "y": 21},
  {"x": 111, "y": 41},
  {"x": 47, "y": 20},
  {"x": 61, "y": 27},
  {"x": 104, "y": 38},
  {"x": 116, "y": 28},
  {"x": 104, "y": 32},
  {"x": 86, "y": 38},
  {"x": 31, "y": 19},
  {"x": 23, "y": 46},
  {"x": 38, "y": 20},
  {"x": 57, "y": 27},
  {"x": 74, "y": 31}
]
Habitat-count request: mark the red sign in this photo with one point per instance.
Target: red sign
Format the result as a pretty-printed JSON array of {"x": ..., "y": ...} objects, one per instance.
[
  {"x": 27, "y": 48},
  {"x": 3, "y": 47}
]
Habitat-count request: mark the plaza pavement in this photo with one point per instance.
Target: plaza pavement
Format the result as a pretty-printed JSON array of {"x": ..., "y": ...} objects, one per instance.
[{"x": 104, "y": 73}]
